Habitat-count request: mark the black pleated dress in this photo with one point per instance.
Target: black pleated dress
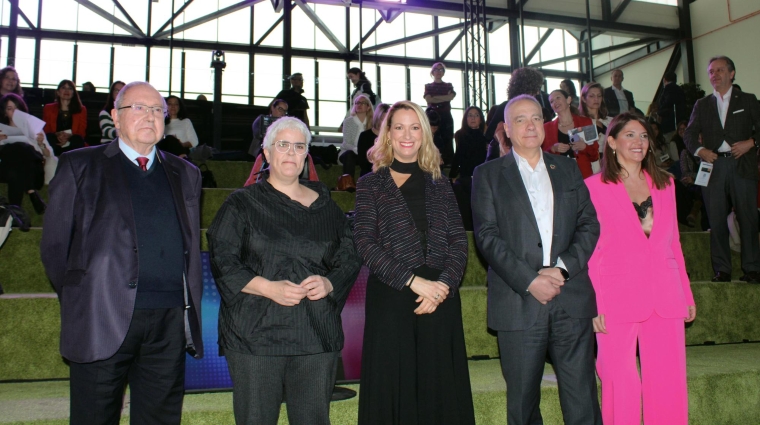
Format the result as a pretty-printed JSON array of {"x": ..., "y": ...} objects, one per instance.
[{"x": 414, "y": 367}]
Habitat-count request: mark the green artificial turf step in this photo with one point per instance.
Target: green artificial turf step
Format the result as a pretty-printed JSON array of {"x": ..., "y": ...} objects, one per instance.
[
  {"x": 29, "y": 327},
  {"x": 723, "y": 383}
]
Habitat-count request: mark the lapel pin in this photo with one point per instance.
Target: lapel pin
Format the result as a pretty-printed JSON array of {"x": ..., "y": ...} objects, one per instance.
[{"x": 552, "y": 166}]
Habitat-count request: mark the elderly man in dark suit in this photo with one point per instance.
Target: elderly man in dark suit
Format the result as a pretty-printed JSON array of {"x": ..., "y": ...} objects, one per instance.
[
  {"x": 123, "y": 255},
  {"x": 617, "y": 98},
  {"x": 729, "y": 122},
  {"x": 536, "y": 227}
]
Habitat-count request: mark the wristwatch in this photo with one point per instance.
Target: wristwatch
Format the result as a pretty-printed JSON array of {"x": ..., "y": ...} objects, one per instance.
[{"x": 564, "y": 272}]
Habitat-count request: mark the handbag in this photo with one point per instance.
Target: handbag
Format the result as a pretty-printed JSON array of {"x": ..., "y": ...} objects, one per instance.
[{"x": 207, "y": 177}]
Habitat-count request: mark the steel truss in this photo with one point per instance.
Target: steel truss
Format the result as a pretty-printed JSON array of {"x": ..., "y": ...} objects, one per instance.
[{"x": 476, "y": 55}]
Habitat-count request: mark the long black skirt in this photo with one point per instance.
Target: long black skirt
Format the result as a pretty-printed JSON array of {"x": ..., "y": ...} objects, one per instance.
[{"x": 414, "y": 367}]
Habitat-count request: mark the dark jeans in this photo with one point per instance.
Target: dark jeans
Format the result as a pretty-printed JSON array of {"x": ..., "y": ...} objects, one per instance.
[
  {"x": 151, "y": 359},
  {"x": 75, "y": 142},
  {"x": 261, "y": 383},
  {"x": 22, "y": 168},
  {"x": 570, "y": 345}
]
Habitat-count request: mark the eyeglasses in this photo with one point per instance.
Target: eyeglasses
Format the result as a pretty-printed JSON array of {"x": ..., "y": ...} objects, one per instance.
[
  {"x": 281, "y": 109},
  {"x": 139, "y": 108},
  {"x": 283, "y": 146},
  {"x": 438, "y": 69},
  {"x": 362, "y": 103}
]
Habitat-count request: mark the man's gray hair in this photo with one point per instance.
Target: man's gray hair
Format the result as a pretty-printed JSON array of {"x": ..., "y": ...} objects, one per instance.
[
  {"x": 123, "y": 92},
  {"x": 285, "y": 123},
  {"x": 519, "y": 99}
]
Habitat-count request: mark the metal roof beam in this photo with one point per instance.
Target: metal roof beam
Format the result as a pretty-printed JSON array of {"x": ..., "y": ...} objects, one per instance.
[
  {"x": 207, "y": 18},
  {"x": 126, "y": 15},
  {"x": 174, "y": 16},
  {"x": 312, "y": 15},
  {"x": 366, "y": 36},
  {"x": 414, "y": 37},
  {"x": 538, "y": 45},
  {"x": 110, "y": 18}
]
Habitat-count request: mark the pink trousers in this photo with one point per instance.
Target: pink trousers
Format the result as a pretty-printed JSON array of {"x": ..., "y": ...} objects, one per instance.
[{"x": 662, "y": 384}]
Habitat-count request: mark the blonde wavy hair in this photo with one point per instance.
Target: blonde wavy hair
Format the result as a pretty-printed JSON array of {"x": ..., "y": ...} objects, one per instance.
[
  {"x": 428, "y": 157},
  {"x": 368, "y": 115}
]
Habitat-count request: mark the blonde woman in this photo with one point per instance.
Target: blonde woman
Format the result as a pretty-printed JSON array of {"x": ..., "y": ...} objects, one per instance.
[
  {"x": 409, "y": 233},
  {"x": 358, "y": 121}
]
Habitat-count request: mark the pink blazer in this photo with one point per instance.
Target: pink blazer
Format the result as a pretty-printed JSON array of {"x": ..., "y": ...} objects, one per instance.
[{"x": 633, "y": 275}]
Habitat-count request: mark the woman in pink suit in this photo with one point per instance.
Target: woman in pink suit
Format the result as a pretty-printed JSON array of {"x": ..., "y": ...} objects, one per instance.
[{"x": 642, "y": 290}]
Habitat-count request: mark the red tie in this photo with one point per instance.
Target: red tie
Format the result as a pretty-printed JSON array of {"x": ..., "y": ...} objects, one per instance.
[{"x": 143, "y": 161}]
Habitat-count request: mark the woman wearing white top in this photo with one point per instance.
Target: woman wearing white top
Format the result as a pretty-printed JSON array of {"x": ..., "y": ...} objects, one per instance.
[
  {"x": 24, "y": 164},
  {"x": 358, "y": 121},
  {"x": 180, "y": 127},
  {"x": 592, "y": 106}
]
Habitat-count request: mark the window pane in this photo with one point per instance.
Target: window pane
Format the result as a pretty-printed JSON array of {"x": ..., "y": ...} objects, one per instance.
[
  {"x": 263, "y": 18},
  {"x": 55, "y": 62},
  {"x": 393, "y": 79},
  {"x": 332, "y": 81},
  {"x": 421, "y": 48},
  {"x": 159, "y": 68},
  {"x": 334, "y": 18},
  {"x": 93, "y": 63},
  {"x": 418, "y": 78},
  {"x": 331, "y": 114},
  {"x": 235, "y": 27},
  {"x": 199, "y": 76},
  {"x": 501, "y": 82},
  {"x": 454, "y": 76},
  {"x": 235, "y": 77},
  {"x": 268, "y": 76},
  {"x": 306, "y": 67},
  {"x": 60, "y": 15},
  {"x": 416, "y": 23},
  {"x": 303, "y": 37},
  {"x": 129, "y": 64},
  {"x": 24, "y": 59}
]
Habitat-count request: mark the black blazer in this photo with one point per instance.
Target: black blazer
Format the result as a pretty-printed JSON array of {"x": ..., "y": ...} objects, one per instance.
[
  {"x": 507, "y": 235},
  {"x": 386, "y": 237},
  {"x": 613, "y": 106},
  {"x": 90, "y": 253},
  {"x": 742, "y": 122}
]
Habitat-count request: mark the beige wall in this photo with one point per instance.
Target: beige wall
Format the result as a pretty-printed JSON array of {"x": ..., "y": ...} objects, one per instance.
[{"x": 713, "y": 34}]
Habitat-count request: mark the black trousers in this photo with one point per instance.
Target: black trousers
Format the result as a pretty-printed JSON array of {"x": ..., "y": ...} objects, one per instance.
[
  {"x": 348, "y": 159},
  {"x": 725, "y": 190},
  {"x": 22, "y": 168},
  {"x": 570, "y": 345},
  {"x": 151, "y": 359},
  {"x": 261, "y": 383},
  {"x": 75, "y": 142}
]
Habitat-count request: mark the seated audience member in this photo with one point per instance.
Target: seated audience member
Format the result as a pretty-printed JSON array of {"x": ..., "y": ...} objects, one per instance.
[
  {"x": 22, "y": 161},
  {"x": 89, "y": 87},
  {"x": 557, "y": 140},
  {"x": 107, "y": 130},
  {"x": 179, "y": 126},
  {"x": 678, "y": 137},
  {"x": 9, "y": 82},
  {"x": 434, "y": 119},
  {"x": 277, "y": 108},
  {"x": 665, "y": 152},
  {"x": 689, "y": 201},
  {"x": 65, "y": 119},
  {"x": 472, "y": 147},
  {"x": 367, "y": 139},
  {"x": 358, "y": 121}
]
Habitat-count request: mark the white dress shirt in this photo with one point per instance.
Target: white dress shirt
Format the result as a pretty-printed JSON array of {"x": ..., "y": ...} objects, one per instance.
[
  {"x": 541, "y": 194},
  {"x": 132, "y": 154},
  {"x": 622, "y": 100},
  {"x": 723, "y": 102}
]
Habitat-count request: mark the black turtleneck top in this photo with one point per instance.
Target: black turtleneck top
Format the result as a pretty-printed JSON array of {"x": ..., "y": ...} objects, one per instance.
[{"x": 413, "y": 191}]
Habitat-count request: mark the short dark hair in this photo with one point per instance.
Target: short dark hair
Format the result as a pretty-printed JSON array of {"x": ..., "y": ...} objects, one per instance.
[
  {"x": 729, "y": 63},
  {"x": 670, "y": 77}
]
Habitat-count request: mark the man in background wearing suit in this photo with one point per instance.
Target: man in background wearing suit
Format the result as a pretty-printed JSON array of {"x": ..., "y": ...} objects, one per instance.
[
  {"x": 616, "y": 97},
  {"x": 729, "y": 122},
  {"x": 536, "y": 227},
  {"x": 123, "y": 255},
  {"x": 671, "y": 105}
]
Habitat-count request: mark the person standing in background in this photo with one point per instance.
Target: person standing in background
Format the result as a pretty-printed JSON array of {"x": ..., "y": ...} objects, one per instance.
[
  {"x": 297, "y": 103},
  {"x": 361, "y": 85},
  {"x": 671, "y": 106},
  {"x": 438, "y": 96},
  {"x": 617, "y": 98}
]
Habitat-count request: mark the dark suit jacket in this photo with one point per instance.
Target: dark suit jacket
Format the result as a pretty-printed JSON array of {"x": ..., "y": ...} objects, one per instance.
[
  {"x": 613, "y": 106},
  {"x": 671, "y": 107},
  {"x": 386, "y": 237},
  {"x": 90, "y": 249},
  {"x": 507, "y": 235},
  {"x": 742, "y": 122}
]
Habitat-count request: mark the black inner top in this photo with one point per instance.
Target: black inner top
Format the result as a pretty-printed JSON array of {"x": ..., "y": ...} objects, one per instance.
[
  {"x": 64, "y": 121},
  {"x": 642, "y": 209},
  {"x": 564, "y": 138},
  {"x": 413, "y": 191}
]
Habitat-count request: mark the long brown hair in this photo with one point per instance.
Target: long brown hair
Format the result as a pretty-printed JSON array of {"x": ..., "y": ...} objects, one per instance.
[
  {"x": 612, "y": 172},
  {"x": 602, "y": 111},
  {"x": 75, "y": 106}
]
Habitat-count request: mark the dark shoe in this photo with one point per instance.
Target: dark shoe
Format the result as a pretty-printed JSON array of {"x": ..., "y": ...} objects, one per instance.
[
  {"x": 751, "y": 277},
  {"x": 722, "y": 277},
  {"x": 39, "y": 205}
]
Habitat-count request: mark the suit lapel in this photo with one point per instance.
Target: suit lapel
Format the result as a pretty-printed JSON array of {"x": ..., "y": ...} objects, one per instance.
[
  {"x": 116, "y": 185},
  {"x": 734, "y": 104},
  {"x": 557, "y": 186},
  {"x": 175, "y": 182},
  {"x": 511, "y": 173}
]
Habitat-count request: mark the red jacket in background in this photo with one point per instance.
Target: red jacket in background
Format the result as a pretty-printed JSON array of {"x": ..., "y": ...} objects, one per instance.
[
  {"x": 78, "y": 121},
  {"x": 584, "y": 157}
]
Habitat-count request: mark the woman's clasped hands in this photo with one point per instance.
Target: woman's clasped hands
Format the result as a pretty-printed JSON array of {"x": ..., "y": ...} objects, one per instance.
[{"x": 431, "y": 294}]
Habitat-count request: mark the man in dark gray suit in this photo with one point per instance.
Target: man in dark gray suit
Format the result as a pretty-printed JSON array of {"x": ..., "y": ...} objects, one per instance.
[
  {"x": 729, "y": 122},
  {"x": 123, "y": 252},
  {"x": 536, "y": 227}
]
